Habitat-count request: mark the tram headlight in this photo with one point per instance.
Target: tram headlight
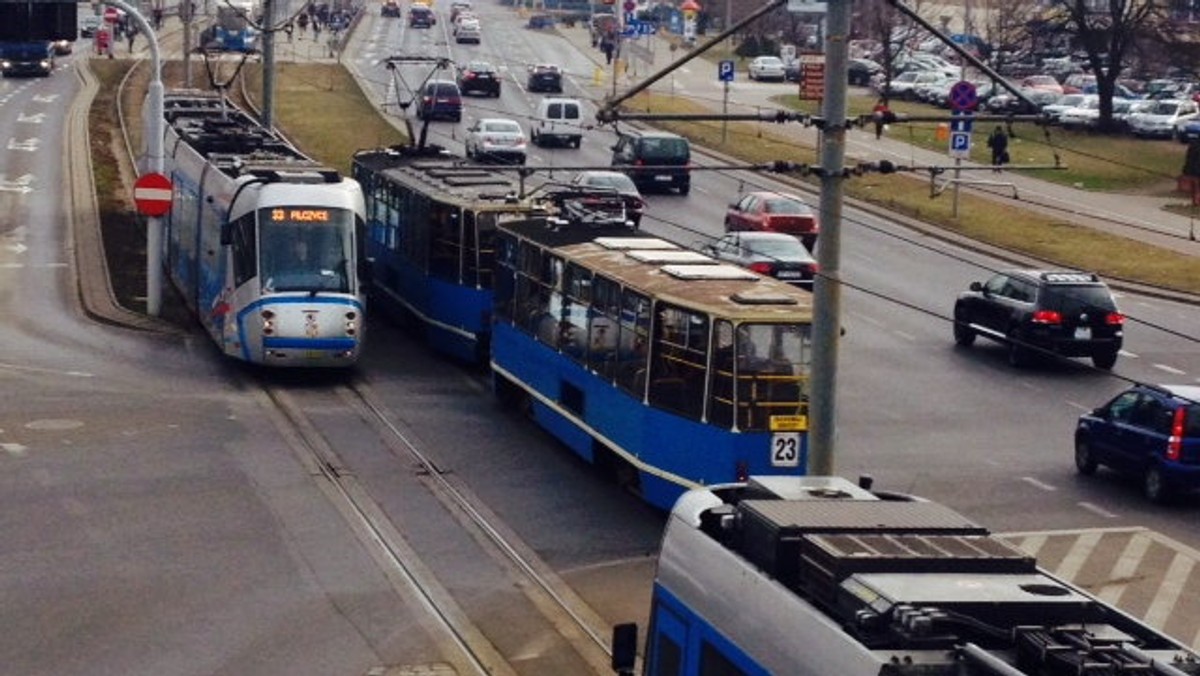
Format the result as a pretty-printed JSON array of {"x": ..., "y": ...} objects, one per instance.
[
  {"x": 351, "y": 323},
  {"x": 268, "y": 319}
]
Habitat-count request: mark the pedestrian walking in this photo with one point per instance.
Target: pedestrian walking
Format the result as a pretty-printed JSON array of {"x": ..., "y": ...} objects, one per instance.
[
  {"x": 157, "y": 15},
  {"x": 302, "y": 20},
  {"x": 606, "y": 46},
  {"x": 130, "y": 33},
  {"x": 881, "y": 114},
  {"x": 998, "y": 142}
]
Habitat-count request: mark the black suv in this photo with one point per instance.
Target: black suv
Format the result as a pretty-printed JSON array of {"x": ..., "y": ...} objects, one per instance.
[
  {"x": 654, "y": 158},
  {"x": 420, "y": 16},
  {"x": 1065, "y": 312},
  {"x": 480, "y": 77}
]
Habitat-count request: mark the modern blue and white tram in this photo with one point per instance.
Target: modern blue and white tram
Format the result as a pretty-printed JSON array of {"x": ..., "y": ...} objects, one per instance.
[
  {"x": 431, "y": 223},
  {"x": 657, "y": 363},
  {"x": 261, "y": 241},
  {"x": 817, "y": 576}
]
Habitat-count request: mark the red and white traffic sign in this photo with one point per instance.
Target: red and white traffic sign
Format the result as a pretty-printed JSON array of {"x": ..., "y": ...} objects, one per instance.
[
  {"x": 152, "y": 193},
  {"x": 111, "y": 14}
]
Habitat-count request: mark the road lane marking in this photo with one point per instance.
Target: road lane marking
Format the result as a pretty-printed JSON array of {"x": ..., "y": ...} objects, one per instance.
[
  {"x": 1097, "y": 509},
  {"x": 1169, "y": 591},
  {"x": 1078, "y": 555},
  {"x": 1170, "y": 369},
  {"x": 1123, "y": 570}
]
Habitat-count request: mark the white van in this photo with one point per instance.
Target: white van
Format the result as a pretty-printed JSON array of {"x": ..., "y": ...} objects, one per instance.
[{"x": 558, "y": 120}]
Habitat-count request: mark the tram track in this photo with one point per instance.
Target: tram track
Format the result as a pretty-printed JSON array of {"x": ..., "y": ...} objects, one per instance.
[{"x": 464, "y": 641}]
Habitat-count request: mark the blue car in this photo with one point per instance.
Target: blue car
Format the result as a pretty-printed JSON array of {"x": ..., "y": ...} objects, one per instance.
[
  {"x": 1148, "y": 431},
  {"x": 1188, "y": 131}
]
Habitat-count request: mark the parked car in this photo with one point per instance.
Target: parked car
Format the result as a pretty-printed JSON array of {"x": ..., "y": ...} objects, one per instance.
[
  {"x": 654, "y": 158},
  {"x": 499, "y": 139},
  {"x": 773, "y": 254},
  {"x": 774, "y": 212},
  {"x": 1063, "y": 312},
  {"x": 390, "y": 8},
  {"x": 1085, "y": 115},
  {"x": 480, "y": 77},
  {"x": 1042, "y": 82},
  {"x": 1163, "y": 118},
  {"x": 767, "y": 68},
  {"x": 618, "y": 183},
  {"x": 1188, "y": 131},
  {"x": 862, "y": 70},
  {"x": 440, "y": 99},
  {"x": 1064, "y": 102},
  {"x": 1148, "y": 431},
  {"x": 545, "y": 77}
]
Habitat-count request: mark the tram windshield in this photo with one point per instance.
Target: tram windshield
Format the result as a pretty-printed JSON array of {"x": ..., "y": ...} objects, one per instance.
[{"x": 306, "y": 249}]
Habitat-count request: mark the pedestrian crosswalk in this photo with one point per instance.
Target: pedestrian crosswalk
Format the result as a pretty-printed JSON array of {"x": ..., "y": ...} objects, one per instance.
[{"x": 1144, "y": 573}]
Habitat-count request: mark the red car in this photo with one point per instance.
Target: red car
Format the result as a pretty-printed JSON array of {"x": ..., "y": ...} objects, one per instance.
[{"x": 774, "y": 212}]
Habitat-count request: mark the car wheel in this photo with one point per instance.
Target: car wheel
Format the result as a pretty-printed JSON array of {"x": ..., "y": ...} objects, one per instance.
[
  {"x": 963, "y": 335},
  {"x": 457, "y": 117},
  {"x": 685, "y": 189},
  {"x": 1085, "y": 462},
  {"x": 1105, "y": 360},
  {"x": 577, "y": 141},
  {"x": 1018, "y": 355},
  {"x": 1154, "y": 487}
]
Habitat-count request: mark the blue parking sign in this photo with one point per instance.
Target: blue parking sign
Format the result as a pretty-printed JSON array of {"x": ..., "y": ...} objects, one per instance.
[{"x": 725, "y": 71}]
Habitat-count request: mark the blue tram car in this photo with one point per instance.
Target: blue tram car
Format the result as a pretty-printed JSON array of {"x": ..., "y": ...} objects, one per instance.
[
  {"x": 431, "y": 224},
  {"x": 817, "y": 576},
  {"x": 658, "y": 363},
  {"x": 261, "y": 241}
]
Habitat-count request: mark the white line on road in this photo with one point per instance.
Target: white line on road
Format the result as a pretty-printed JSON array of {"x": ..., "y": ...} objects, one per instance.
[
  {"x": 1040, "y": 484},
  {"x": 1169, "y": 369},
  {"x": 1079, "y": 406},
  {"x": 1168, "y": 592},
  {"x": 1123, "y": 570},
  {"x": 1097, "y": 509},
  {"x": 1078, "y": 555}
]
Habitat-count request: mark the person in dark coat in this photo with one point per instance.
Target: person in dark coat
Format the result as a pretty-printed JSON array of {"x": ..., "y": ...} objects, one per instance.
[{"x": 998, "y": 142}]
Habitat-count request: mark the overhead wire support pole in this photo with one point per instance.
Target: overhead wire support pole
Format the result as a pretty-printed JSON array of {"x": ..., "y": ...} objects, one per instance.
[
  {"x": 608, "y": 112},
  {"x": 827, "y": 289}
]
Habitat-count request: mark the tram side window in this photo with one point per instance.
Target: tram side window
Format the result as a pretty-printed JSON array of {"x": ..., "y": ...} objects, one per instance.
[
  {"x": 678, "y": 359},
  {"x": 244, "y": 249},
  {"x": 714, "y": 663},
  {"x": 603, "y": 337},
  {"x": 391, "y": 220},
  {"x": 505, "y": 283},
  {"x": 479, "y": 244},
  {"x": 635, "y": 340},
  {"x": 576, "y": 320},
  {"x": 445, "y": 243},
  {"x": 721, "y": 377},
  {"x": 414, "y": 240}
]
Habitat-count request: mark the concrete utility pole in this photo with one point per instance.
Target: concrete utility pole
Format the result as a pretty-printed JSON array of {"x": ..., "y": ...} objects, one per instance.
[
  {"x": 185, "y": 15},
  {"x": 268, "y": 75},
  {"x": 827, "y": 292}
]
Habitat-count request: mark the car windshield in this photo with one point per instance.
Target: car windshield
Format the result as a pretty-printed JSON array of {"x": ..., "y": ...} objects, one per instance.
[
  {"x": 443, "y": 89},
  {"x": 1165, "y": 109},
  {"x": 786, "y": 206},
  {"x": 304, "y": 249},
  {"x": 479, "y": 67},
  {"x": 619, "y": 182}
]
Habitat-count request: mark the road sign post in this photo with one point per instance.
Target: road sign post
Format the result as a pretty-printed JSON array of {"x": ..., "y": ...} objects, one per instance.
[
  {"x": 725, "y": 71},
  {"x": 963, "y": 101}
]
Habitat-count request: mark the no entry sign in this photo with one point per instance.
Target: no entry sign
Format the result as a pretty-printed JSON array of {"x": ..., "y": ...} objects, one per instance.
[{"x": 152, "y": 194}]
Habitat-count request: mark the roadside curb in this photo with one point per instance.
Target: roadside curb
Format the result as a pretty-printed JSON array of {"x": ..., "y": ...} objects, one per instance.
[{"x": 86, "y": 241}]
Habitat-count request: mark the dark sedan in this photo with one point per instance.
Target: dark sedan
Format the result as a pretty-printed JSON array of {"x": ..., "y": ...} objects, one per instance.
[
  {"x": 479, "y": 77},
  {"x": 773, "y": 254},
  {"x": 545, "y": 77}
]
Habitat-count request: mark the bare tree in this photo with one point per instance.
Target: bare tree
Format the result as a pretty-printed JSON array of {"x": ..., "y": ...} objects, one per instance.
[
  {"x": 881, "y": 22},
  {"x": 1107, "y": 32},
  {"x": 1005, "y": 24}
]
